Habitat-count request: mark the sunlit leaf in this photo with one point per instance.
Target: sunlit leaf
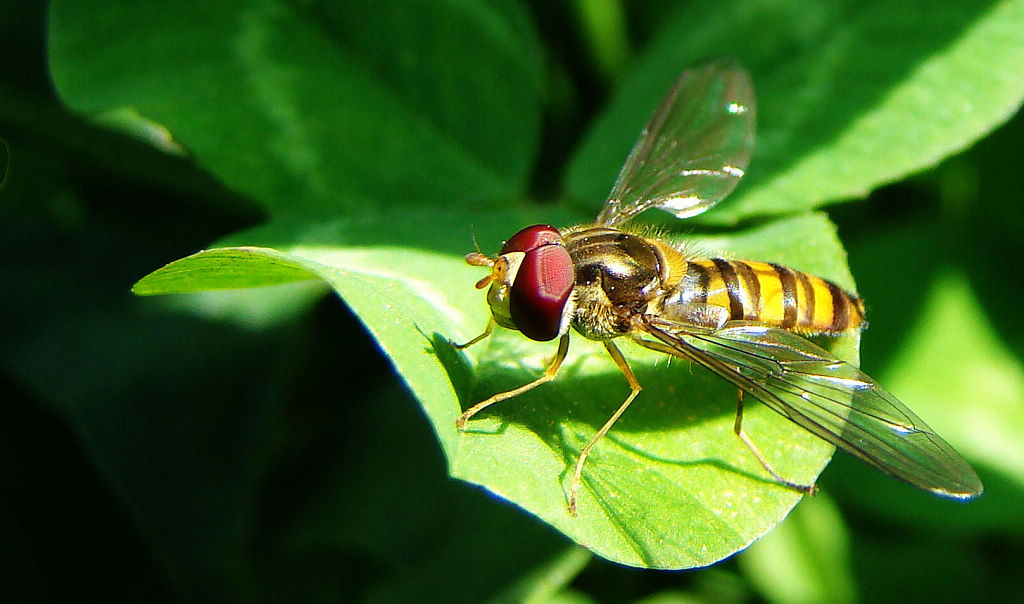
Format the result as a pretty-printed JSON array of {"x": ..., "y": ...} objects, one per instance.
[{"x": 671, "y": 486}]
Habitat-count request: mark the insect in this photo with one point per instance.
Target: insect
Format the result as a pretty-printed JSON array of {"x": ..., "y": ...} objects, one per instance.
[{"x": 745, "y": 321}]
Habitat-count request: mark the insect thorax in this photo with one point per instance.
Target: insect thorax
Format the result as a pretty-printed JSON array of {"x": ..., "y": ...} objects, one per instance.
[{"x": 617, "y": 275}]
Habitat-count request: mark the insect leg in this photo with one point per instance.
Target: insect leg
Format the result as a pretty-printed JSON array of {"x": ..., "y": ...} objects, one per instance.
[
  {"x": 738, "y": 429},
  {"x": 635, "y": 387},
  {"x": 487, "y": 332},
  {"x": 549, "y": 374}
]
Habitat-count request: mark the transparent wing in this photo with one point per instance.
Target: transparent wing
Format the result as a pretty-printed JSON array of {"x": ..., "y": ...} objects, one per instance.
[
  {"x": 826, "y": 396},
  {"x": 693, "y": 151}
]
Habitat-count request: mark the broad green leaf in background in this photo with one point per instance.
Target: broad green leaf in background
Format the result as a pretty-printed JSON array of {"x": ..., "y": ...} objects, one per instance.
[
  {"x": 974, "y": 397},
  {"x": 804, "y": 560},
  {"x": 548, "y": 580},
  {"x": 670, "y": 487},
  {"x": 850, "y": 95},
  {"x": 989, "y": 378},
  {"x": 309, "y": 109}
]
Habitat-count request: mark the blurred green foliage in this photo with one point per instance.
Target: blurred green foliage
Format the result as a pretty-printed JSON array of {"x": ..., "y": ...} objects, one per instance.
[{"x": 259, "y": 446}]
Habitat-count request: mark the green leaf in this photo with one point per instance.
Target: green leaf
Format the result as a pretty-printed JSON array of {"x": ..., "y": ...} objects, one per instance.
[
  {"x": 305, "y": 109},
  {"x": 988, "y": 430},
  {"x": 548, "y": 580},
  {"x": 807, "y": 559},
  {"x": 225, "y": 269},
  {"x": 937, "y": 341},
  {"x": 850, "y": 95},
  {"x": 670, "y": 486},
  {"x": 972, "y": 399}
]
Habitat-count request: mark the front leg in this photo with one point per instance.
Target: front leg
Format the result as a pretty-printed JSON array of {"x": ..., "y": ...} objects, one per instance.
[{"x": 549, "y": 374}]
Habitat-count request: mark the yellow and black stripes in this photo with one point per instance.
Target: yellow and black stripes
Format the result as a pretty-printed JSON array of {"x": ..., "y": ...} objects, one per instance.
[{"x": 771, "y": 294}]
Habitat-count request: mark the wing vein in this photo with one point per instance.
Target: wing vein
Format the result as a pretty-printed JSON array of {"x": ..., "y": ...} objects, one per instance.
[{"x": 822, "y": 394}]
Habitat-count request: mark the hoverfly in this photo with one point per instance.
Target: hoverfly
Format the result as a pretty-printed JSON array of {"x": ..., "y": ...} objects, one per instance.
[{"x": 745, "y": 321}]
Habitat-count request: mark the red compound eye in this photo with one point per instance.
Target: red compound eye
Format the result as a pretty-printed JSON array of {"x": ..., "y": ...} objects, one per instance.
[
  {"x": 543, "y": 283},
  {"x": 531, "y": 238}
]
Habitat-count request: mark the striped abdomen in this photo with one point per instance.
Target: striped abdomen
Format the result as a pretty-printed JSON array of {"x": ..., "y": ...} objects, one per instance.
[{"x": 771, "y": 294}]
